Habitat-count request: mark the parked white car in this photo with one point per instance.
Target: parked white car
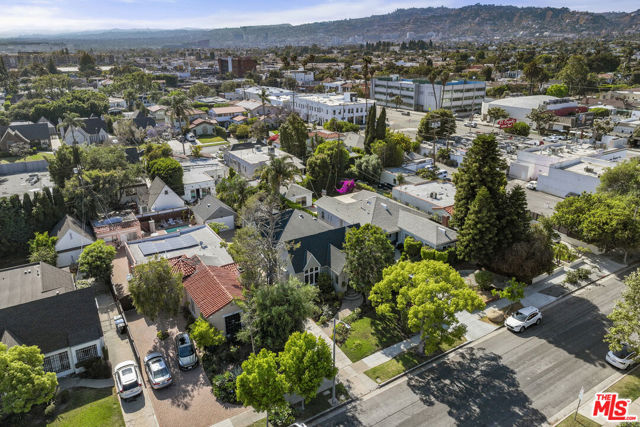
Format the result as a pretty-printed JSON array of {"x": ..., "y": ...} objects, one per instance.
[
  {"x": 128, "y": 379},
  {"x": 623, "y": 358},
  {"x": 470, "y": 124},
  {"x": 532, "y": 185},
  {"x": 190, "y": 137},
  {"x": 523, "y": 318},
  {"x": 157, "y": 370}
]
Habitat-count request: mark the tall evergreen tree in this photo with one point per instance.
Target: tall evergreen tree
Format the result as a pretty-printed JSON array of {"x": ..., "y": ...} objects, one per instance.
[
  {"x": 477, "y": 240},
  {"x": 58, "y": 202},
  {"x": 293, "y": 136},
  {"x": 515, "y": 219},
  {"x": 370, "y": 129},
  {"x": 51, "y": 66},
  {"x": 381, "y": 124},
  {"x": 27, "y": 208}
]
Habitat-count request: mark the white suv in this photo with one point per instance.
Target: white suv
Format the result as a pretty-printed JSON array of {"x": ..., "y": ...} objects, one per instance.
[
  {"x": 523, "y": 318},
  {"x": 128, "y": 379}
]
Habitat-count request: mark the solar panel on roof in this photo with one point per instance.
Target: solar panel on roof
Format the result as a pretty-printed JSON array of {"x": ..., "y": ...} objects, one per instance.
[{"x": 167, "y": 245}]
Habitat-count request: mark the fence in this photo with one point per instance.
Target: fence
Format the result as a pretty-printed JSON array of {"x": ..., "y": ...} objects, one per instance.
[{"x": 23, "y": 167}]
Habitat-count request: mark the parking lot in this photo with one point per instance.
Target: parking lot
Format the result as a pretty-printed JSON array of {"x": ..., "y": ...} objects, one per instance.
[
  {"x": 538, "y": 202},
  {"x": 17, "y": 184}
]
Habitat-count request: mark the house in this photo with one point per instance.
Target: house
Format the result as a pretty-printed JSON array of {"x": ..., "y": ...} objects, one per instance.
[
  {"x": 435, "y": 198},
  {"x": 248, "y": 161},
  {"x": 117, "y": 105},
  {"x": 201, "y": 177},
  {"x": 316, "y": 253},
  {"x": 254, "y": 108},
  {"x": 211, "y": 209},
  {"x": 239, "y": 120},
  {"x": 73, "y": 236},
  {"x": 353, "y": 141},
  {"x": 396, "y": 219},
  {"x": 298, "y": 194},
  {"x": 36, "y": 134},
  {"x": 118, "y": 228},
  {"x": 142, "y": 121},
  {"x": 161, "y": 198},
  {"x": 94, "y": 131},
  {"x": 203, "y": 127},
  {"x": 224, "y": 115},
  {"x": 191, "y": 115},
  {"x": 40, "y": 305},
  {"x": 12, "y": 140},
  {"x": 211, "y": 292},
  {"x": 158, "y": 112}
]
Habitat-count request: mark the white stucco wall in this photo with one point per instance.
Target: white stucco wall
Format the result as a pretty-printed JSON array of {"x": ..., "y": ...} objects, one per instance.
[
  {"x": 167, "y": 199},
  {"x": 560, "y": 182}
]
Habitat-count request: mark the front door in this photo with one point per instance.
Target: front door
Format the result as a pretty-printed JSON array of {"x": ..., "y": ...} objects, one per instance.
[{"x": 232, "y": 324}]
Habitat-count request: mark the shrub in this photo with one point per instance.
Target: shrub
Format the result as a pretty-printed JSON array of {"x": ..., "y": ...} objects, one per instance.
[
  {"x": 204, "y": 334},
  {"x": 576, "y": 276},
  {"x": 432, "y": 254},
  {"x": 412, "y": 249},
  {"x": 188, "y": 316},
  {"x": 282, "y": 415},
  {"x": 162, "y": 335},
  {"x": 50, "y": 410},
  {"x": 342, "y": 333},
  {"x": 355, "y": 315},
  {"x": 95, "y": 368},
  {"x": 484, "y": 279},
  {"x": 224, "y": 387}
]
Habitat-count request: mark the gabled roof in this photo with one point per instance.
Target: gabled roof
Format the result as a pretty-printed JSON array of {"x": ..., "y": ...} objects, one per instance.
[
  {"x": 30, "y": 282},
  {"x": 93, "y": 125},
  {"x": 31, "y": 131},
  {"x": 295, "y": 190},
  {"x": 52, "y": 323},
  {"x": 70, "y": 223},
  {"x": 228, "y": 110},
  {"x": 294, "y": 224},
  {"x": 322, "y": 246},
  {"x": 211, "y": 207},
  {"x": 142, "y": 122},
  {"x": 212, "y": 288},
  {"x": 155, "y": 190},
  {"x": 426, "y": 230}
]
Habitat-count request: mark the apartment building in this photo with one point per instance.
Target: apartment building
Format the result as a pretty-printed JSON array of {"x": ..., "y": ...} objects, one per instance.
[
  {"x": 461, "y": 96},
  {"x": 320, "y": 108}
]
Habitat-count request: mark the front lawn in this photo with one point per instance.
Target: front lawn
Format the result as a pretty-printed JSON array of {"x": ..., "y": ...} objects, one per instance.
[
  {"x": 404, "y": 362},
  {"x": 628, "y": 387},
  {"x": 89, "y": 407},
  {"x": 581, "y": 421},
  {"x": 369, "y": 334},
  {"x": 30, "y": 158},
  {"x": 210, "y": 139}
]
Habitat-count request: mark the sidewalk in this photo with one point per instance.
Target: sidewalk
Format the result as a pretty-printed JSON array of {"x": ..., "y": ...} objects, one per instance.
[{"x": 139, "y": 412}]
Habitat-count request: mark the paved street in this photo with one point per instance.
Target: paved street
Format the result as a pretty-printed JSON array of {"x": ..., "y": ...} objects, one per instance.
[
  {"x": 537, "y": 201},
  {"x": 504, "y": 379}
]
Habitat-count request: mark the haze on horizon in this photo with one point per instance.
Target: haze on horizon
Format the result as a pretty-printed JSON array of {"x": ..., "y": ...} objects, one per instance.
[{"x": 27, "y": 17}]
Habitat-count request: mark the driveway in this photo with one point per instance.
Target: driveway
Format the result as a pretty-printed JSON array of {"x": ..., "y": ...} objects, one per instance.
[
  {"x": 538, "y": 202},
  {"x": 189, "y": 400}
]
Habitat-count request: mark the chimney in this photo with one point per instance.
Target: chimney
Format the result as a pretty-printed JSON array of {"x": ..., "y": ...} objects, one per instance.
[{"x": 152, "y": 226}]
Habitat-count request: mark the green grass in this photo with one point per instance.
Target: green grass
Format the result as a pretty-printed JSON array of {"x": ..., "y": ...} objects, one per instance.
[
  {"x": 404, "y": 362},
  {"x": 205, "y": 140},
  {"x": 628, "y": 387},
  {"x": 31, "y": 158},
  {"x": 370, "y": 334},
  {"x": 581, "y": 421},
  {"x": 90, "y": 407},
  {"x": 260, "y": 423}
]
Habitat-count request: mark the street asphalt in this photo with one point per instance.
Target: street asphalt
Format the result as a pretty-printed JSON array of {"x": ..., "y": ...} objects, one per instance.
[{"x": 504, "y": 379}]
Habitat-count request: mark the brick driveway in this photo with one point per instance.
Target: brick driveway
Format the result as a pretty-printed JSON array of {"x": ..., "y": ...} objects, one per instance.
[{"x": 189, "y": 400}]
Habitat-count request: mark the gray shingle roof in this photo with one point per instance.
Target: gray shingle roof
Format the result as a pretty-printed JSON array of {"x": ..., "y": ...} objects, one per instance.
[
  {"x": 294, "y": 224},
  {"x": 426, "y": 230},
  {"x": 211, "y": 207},
  {"x": 32, "y": 131},
  {"x": 52, "y": 323},
  {"x": 29, "y": 282},
  {"x": 70, "y": 223},
  {"x": 323, "y": 246},
  {"x": 92, "y": 125}
]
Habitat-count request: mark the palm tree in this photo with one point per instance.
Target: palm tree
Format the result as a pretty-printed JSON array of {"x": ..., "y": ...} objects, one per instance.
[
  {"x": 278, "y": 172},
  {"x": 433, "y": 76},
  {"x": 178, "y": 110},
  {"x": 71, "y": 121},
  {"x": 365, "y": 71},
  {"x": 444, "y": 78},
  {"x": 397, "y": 100},
  {"x": 264, "y": 98}
]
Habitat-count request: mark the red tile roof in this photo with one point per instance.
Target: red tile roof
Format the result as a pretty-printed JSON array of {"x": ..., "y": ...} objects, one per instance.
[
  {"x": 212, "y": 288},
  {"x": 182, "y": 264}
]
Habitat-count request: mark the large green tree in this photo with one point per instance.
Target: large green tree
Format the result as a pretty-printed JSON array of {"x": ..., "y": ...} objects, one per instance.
[
  {"x": 305, "y": 362},
  {"x": 368, "y": 251},
  {"x": 626, "y": 317},
  {"x": 368, "y": 168},
  {"x": 370, "y": 129},
  {"x": 43, "y": 248},
  {"x": 234, "y": 191},
  {"x": 326, "y": 167},
  {"x": 96, "y": 260},
  {"x": 436, "y": 124},
  {"x": 294, "y": 136},
  {"x": 170, "y": 171},
  {"x": 23, "y": 381},
  {"x": 155, "y": 288},
  {"x": 388, "y": 151},
  {"x": 381, "y": 124},
  {"x": 426, "y": 296},
  {"x": 575, "y": 74},
  {"x": 278, "y": 172},
  {"x": 623, "y": 179},
  {"x": 478, "y": 237}
]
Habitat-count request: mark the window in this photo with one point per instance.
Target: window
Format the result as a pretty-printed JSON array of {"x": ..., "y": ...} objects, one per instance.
[
  {"x": 232, "y": 324},
  {"x": 87, "y": 353},
  {"x": 311, "y": 275},
  {"x": 166, "y": 192},
  {"x": 58, "y": 362}
]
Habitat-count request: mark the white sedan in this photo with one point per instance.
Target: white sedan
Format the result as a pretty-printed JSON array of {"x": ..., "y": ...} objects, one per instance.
[
  {"x": 623, "y": 358},
  {"x": 523, "y": 318}
]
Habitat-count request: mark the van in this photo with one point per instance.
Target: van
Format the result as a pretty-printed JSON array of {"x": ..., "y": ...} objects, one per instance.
[{"x": 442, "y": 174}]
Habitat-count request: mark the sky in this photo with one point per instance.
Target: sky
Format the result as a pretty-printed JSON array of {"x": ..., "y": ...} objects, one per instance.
[{"x": 20, "y": 17}]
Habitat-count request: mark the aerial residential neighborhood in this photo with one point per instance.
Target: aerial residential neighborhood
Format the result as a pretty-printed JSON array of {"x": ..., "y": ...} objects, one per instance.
[{"x": 341, "y": 214}]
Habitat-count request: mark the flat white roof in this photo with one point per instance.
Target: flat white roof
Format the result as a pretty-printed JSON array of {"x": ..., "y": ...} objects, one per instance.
[
  {"x": 330, "y": 99},
  {"x": 444, "y": 192},
  {"x": 533, "y": 101}
]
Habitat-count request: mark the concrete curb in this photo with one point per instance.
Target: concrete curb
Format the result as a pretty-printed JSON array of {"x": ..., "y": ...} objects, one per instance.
[{"x": 328, "y": 410}]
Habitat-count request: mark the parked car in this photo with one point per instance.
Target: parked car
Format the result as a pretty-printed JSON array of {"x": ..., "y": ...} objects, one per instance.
[
  {"x": 532, "y": 185},
  {"x": 623, "y": 358},
  {"x": 187, "y": 357},
  {"x": 128, "y": 380},
  {"x": 405, "y": 113},
  {"x": 157, "y": 370},
  {"x": 470, "y": 124},
  {"x": 523, "y": 318},
  {"x": 190, "y": 137},
  {"x": 442, "y": 174}
]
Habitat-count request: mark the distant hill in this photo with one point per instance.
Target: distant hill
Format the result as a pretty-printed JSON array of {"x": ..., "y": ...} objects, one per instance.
[{"x": 477, "y": 23}]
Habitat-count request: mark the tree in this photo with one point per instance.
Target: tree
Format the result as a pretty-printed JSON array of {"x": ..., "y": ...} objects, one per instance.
[
  {"x": 71, "y": 122},
  {"x": 260, "y": 384},
  {"x": 199, "y": 89},
  {"x": 86, "y": 64},
  {"x": 293, "y": 136},
  {"x": 23, "y": 381},
  {"x": 264, "y": 99},
  {"x": 43, "y": 248},
  {"x": 496, "y": 113},
  {"x": 370, "y": 129},
  {"x": 388, "y": 151},
  {"x": 558, "y": 90},
  {"x": 128, "y": 133},
  {"x": 368, "y": 168},
  {"x": 514, "y": 291},
  {"x": 52, "y": 86},
  {"x": 170, "y": 171},
  {"x": 327, "y": 166},
  {"x": 623, "y": 179},
  {"x": 368, "y": 251},
  {"x": 575, "y": 75},
  {"x": 519, "y": 128},
  {"x": 535, "y": 74},
  {"x": 259, "y": 130},
  {"x": 601, "y": 127},
  {"x": 477, "y": 239},
  {"x": 51, "y": 66},
  {"x": 541, "y": 117},
  {"x": 234, "y": 191},
  {"x": 397, "y": 100},
  {"x": 273, "y": 313},
  {"x": 305, "y": 362},
  {"x": 381, "y": 124},
  {"x": 96, "y": 260},
  {"x": 156, "y": 151},
  {"x": 278, "y": 172},
  {"x": 626, "y": 317},
  {"x": 436, "y": 124},
  {"x": 155, "y": 288},
  {"x": 205, "y": 334},
  {"x": 426, "y": 296},
  {"x": 515, "y": 219}
]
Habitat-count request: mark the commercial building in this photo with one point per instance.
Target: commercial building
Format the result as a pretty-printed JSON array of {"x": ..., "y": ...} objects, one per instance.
[
  {"x": 461, "y": 96},
  {"x": 520, "y": 106},
  {"x": 237, "y": 66},
  {"x": 320, "y": 108},
  {"x": 535, "y": 161}
]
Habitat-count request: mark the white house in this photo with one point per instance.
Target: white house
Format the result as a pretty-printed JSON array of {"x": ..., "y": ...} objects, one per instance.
[
  {"x": 162, "y": 198},
  {"x": 201, "y": 127},
  {"x": 535, "y": 161},
  {"x": 201, "y": 177},
  {"x": 320, "y": 108},
  {"x": 298, "y": 194},
  {"x": 94, "y": 131},
  {"x": 211, "y": 209},
  {"x": 40, "y": 305},
  {"x": 73, "y": 236},
  {"x": 224, "y": 115},
  {"x": 248, "y": 161},
  {"x": 435, "y": 198}
]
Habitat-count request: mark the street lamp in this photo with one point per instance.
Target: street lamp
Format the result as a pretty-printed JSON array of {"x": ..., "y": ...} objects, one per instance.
[{"x": 334, "y": 401}]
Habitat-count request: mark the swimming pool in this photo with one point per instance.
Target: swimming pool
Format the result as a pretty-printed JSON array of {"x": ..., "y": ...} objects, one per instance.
[{"x": 171, "y": 230}]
